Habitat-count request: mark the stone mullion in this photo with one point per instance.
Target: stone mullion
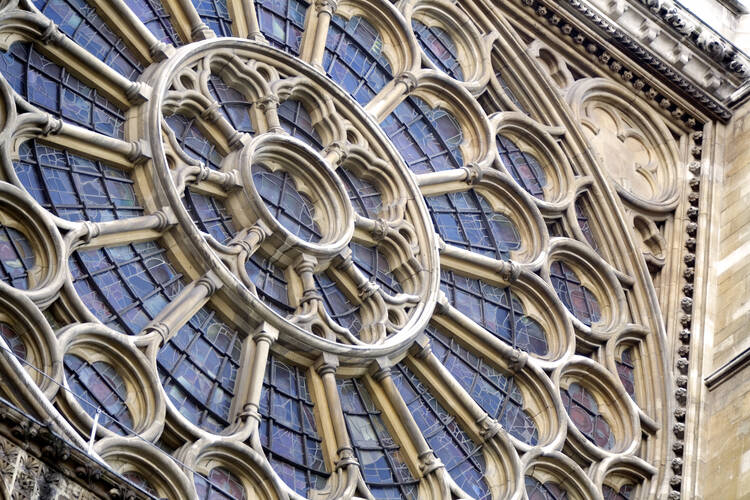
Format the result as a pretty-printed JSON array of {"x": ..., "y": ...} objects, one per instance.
[
  {"x": 250, "y": 380},
  {"x": 205, "y": 180},
  {"x": 314, "y": 49},
  {"x": 130, "y": 28},
  {"x": 493, "y": 271},
  {"x": 346, "y": 475},
  {"x": 120, "y": 231},
  {"x": 449, "y": 181},
  {"x": 391, "y": 96},
  {"x": 183, "y": 307},
  {"x": 187, "y": 21},
  {"x": 251, "y": 21}
]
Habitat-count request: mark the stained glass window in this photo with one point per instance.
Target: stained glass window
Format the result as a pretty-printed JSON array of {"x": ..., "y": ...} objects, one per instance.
[
  {"x": 439, "y": 47},
  {"x": 497, "y": 394},
  {"x": 101, "y": 388},
  {"x": 584, "y": 224},
  {"x": 428, "y": 139},
  {"x": 220, "y": 485},
  {"x": 584, "y": 412},
  {"x": 291, "y": 208},
  {"x": 523, "y": 167},
  {"x": 364, "y": 196},
  {"x": 139, "y": 480},
  {"x": 547, "y": 491},
  {"x": 288, "y": 431},
  {"x": 125, "y": 287},
  {"x": 625, "y": 492},
  {"x": 467, "y": 221},
  {"x": 282, "y": 22},
  {"x": 270, "y": 283},
  {"x": 73, "y": 187},
  {"x": 50, "y": 87},
  {"x": 576, "y": 297},
  {"x": 511, "y": 95},
  {"x": 198, "y": 367},
  {"x": 216, "y": 15},
  {"x": 80, "y": 21},
  {"x": 354, "y": 57},
  {"x": 462, "y": 457},
  {"x": 337, "y": 304},
  {"x": 16, "y": 257},
  {"x": 210, "y": 215},
  {"x": 193, "y": 142},
  {"x": 14, "y": 341},
  {"x": 383, "y": 467},
  {"x": 295, "y": 119},
  {"x": 155, "y": 17},
  {"x": 375, "y": 266},
  {"x": 626, "y": 371},
  {"x": 233, "y": 104},
  {"x": 496, "y": 309}
]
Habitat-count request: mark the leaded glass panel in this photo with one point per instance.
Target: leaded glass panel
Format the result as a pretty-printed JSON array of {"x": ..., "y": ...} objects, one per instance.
[
  {"x": 232, "y": 104},
  {"x": 439, "y": 47},
  {"x": 375, "y": 266},
  {"x": 193, "y": 142},
  {"x": 16, "y": 257},
  {"x": 626, "y": 371},
  {"x": 583, "y": 222},
  {"x": 625, "y": 492},
  {"x": 523, "y": 167},
  {"x": 550, "y": 490},
  {"x": 153, "y": 15},
  {"x": 295, "y": 119},
  {"x": 270, "y": 283},
  {"x": 577, "y": 298},
  {"x": 216, "y": 15},
  {"x": 584, "y": 412},
  {"x": 338, "y": 306},
  {"x": 15, "y": 342},
  {"x": 210, "y": 215},
  {"x": 282, "y": 22},
  {"x": 364, "y": 196},
  {"x": 220, "y": 485}
]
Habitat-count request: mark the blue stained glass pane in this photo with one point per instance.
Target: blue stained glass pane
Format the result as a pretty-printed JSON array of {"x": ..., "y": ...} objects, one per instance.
[
  {"x": 210, "y": 215},
  {"x": 364, "y": 196},
  {"x": 523, "y": 167},
  {"x": 233, "y": 104},
  {"x": 383, "y": 467},
  {"x": 439, "y": 47},
  {"x": 198, "y": 368},
  {"x": 337, "y": 304},
  {"x": 14, "y": 341},
  {"x": 466, "y": 220},
  {"x": 291, "y": 208},
  {"x": 496, "y": 309},
  {"x": 73, "y": 187},
  {"x": 50, "y": 87},
  {"x": 80, "y": 21},
  {"x": 509, "y": 92},
  {"x": 193, "y": 142},
  {"x": 584, "y": 224},
  {"x": 125, "y": 287},
  {"x": 428, "y": 139},
  {"x": 295, "y": 119},
  {"x": 270, "y": 283},
  {"x": 99, "y": 386},
  {"x": 584, "y": 412},
  {"x": 462, "y": 457},
  {"x": 353, "y": 57},
  {"x": 288, "y": 431},
  {"x": 547, "y": 491},
  {"x": 577, "y": 298},
  {"x": 625, "y": 493},
  {"x": 497, "y": 394},
  {"x": 153, "y": 15},
  {"x": 16, "y": 257},
  {"x": 219, "y": 485},
  {"x": 375, "y": 266},
  {"x": 216, "y": 15},
  {"x": 282, "y": 22}
]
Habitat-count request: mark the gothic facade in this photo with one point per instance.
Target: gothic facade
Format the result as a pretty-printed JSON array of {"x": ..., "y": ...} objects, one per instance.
[{"x": 422, "y": 249}]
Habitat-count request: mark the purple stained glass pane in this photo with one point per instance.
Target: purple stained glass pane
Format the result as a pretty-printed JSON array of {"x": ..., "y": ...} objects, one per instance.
[
  {"x": 50, "y": 87},
  {"x": 81, "y": 22},
  {"x": 98, "y": 386},
  {"x": 338, "y": 306},
  {"x": 509, "y": 92},
  {"x": 216, "y": 15},
  {"x": 535, "y": 490},
  {"x": 198, "y": 368},
  {"x": 14, "y": 341},
  {"x": 577, "y": 298},
  {"x": 497, "y": 394},
  {"x": 288, "y": 431},
  {"x": 466, "y": 220},
  {"x": 584, "y": 412},
  {"x": 73, "y": 187},
  {"x": 625, "y": 492},
  {"x": 153, "y": 15},
  {"x": 626, "y": 371},
  {"x": 354, "y": 59},
  {"x": 289, "y": 207},
  {"x": 523, "y": 167},
  {"x": 428, "y": 139},
  {"x": 16, "y": 257},
  {"x": 496, "y": 309},
  {"x": 383, "y": 467},
  {"x": 125, "y": 287},
  {"x": 139, "y": 480},
  {"x": 219, "y": 485},
  {"x": 282, "y": 22},
  {"x": 584, "y": 224},
  {"x": 439, "y": 47}
]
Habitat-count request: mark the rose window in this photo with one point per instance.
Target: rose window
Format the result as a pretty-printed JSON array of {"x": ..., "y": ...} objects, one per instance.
[{"x": 278, "y": 249}]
